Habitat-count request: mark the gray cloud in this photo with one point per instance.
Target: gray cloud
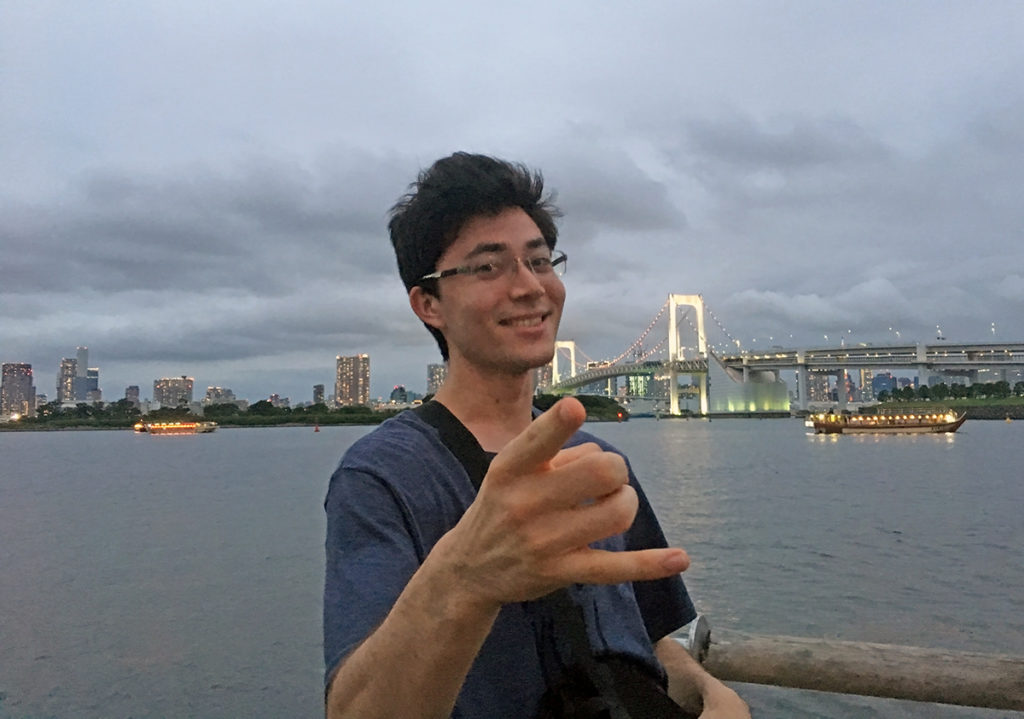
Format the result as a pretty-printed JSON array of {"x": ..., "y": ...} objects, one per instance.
[{"x": 206, "y": 193}]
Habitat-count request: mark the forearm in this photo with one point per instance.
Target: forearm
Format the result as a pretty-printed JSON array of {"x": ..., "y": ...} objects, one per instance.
[
  {"x": 415, "y": 662},
  {"x": 692, "y": 688}
]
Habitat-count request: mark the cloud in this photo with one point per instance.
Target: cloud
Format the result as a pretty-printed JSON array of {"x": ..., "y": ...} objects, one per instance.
[{"x": 209, "y": 189}]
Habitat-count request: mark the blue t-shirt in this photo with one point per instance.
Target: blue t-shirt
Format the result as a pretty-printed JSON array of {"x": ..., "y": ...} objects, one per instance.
[{"x": 395, "y": 493}]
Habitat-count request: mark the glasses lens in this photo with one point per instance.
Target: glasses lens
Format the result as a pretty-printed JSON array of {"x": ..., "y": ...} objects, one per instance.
[{"x": 558, "y": 263}]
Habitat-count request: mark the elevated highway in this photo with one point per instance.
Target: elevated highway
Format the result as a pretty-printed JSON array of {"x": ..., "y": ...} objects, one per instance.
[
  {"x": 941, "y": 357},
  {"x": 628, "y": 369}
]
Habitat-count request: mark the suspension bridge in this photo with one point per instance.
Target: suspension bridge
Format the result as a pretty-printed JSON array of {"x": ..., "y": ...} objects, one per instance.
[{"x": 737, "y": 380}]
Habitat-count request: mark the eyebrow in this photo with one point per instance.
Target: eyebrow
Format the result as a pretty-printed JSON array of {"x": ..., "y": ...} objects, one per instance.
[{"x": 493, "y": 247}]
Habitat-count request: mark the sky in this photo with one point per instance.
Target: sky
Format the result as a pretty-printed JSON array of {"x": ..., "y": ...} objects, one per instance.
[{"x": 202, "y": 189}]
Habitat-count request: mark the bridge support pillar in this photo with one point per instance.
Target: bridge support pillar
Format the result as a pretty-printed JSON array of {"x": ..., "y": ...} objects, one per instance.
[
  {"x": 841, "y": 390},
  {"x": 563, "y": 344},
  {"x": 801, "y": 379},
  {"x": 697, "y": 302}
]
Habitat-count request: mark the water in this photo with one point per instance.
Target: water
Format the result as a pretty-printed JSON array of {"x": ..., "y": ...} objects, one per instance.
[{"x": 181, "y": 576}]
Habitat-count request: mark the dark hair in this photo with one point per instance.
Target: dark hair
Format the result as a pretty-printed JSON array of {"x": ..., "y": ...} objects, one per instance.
[{"x": 455, "y": 189}]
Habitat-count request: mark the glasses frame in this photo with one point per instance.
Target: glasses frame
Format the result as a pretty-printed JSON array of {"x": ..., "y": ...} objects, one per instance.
[{"x": 558, "y": 259}]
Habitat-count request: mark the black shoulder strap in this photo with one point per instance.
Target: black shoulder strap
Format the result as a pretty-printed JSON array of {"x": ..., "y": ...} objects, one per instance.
[{"x": 459, "y": 440}]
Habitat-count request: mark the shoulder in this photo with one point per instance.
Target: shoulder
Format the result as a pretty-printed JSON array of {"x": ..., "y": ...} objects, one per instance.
[
  {"x": 398, "y": 442},
  {"x": 401, "y": 461}
]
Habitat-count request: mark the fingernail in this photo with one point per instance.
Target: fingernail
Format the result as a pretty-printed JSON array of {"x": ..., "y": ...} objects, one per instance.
[{"x": 676, "y": 562}]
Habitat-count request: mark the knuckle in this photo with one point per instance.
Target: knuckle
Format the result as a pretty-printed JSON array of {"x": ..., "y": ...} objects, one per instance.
[{"x": 625, "y": 506}]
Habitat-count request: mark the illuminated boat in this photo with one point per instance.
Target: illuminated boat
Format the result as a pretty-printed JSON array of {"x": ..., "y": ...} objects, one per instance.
[
  {"x": 175, "y": 427},
  {"x": 887, "y": 423}
]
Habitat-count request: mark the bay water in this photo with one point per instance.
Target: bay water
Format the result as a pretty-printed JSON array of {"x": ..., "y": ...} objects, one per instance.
[{"x": 156, "y": 577}]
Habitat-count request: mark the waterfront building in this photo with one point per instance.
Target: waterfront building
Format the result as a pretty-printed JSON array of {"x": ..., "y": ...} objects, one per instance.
[
  {"x": 883, "y": 382},
  {"x": 66, "y": 380},
  {"x": 817, "y": 387},
  {"x": 638, "y": 386},
  {"x": 278, "y": 401},
  {"x": 81, "y": 381},
  {"x": 218, "y": 395},
  {"x": 399, "y": 395},
  {"x": 866, "y": 392},
  {"x": 318, "y": 394},
  {"x": 17, "y": 392},
  {"x": 352, "y": 380},
  {"x": 93, "y": 393},
  {"x": 173, "y": 391},
  {"x": 436, "y": 374},
  {"x": 542, "y": 377}
]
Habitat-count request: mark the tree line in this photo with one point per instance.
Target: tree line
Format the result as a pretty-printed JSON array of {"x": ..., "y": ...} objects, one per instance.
[
  {"x": 943, "y": 391},
  {"x": 123, "y": 413}
]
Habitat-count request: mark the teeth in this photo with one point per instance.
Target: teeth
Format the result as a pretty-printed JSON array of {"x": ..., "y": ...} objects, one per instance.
[{"x": 527, "y": 322}]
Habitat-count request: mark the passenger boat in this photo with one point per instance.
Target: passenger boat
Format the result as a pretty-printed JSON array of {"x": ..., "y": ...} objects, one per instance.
[
  {"x": 175, "y": 427},
  {"x": 887, "y": 423}
]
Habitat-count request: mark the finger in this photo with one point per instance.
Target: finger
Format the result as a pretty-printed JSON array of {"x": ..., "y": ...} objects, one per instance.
[
  {"x": 535, "y": 446},
  {"x": 598, "y": 566},
  {"x": 566, "y": 530},
  {"x": 589, "y": 477},
  {"x": 573, "y": 453}
]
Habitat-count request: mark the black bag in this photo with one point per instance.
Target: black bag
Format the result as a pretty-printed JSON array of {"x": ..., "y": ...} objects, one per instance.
[{"x": 608, "y": 687}]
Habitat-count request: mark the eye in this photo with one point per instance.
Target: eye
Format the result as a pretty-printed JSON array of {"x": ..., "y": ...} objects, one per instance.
[
  {"x": 485, "y": 270},
  {"x": 540, "y": 264}
]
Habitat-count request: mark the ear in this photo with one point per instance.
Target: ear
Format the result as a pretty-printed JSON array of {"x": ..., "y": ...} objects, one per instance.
[{"x": 427, "y": 307}]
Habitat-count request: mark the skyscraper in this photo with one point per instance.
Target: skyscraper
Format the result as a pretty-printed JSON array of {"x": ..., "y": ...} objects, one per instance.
[
  {"x": 17, "y": 393},
  {"x": 318, "y": 394},
  {"x": 173, "y": 391},
  {"x": 131, "y": 393},
  {"x": 66, "y": 380},
  {"x": 92, "y": 384},
  {"x": 436, "y": 374},
  {"x": 352, "y": 382}
]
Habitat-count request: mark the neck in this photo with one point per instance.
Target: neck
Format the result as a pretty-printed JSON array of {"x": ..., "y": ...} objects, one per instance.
[{"x": 493, "y": 407}]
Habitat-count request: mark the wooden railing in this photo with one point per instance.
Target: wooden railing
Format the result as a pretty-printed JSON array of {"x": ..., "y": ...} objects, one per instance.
[{"x": 994, "y": 681}]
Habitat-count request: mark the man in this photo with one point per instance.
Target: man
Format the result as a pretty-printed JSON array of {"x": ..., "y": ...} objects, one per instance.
[{"x": 437, "y": 598}]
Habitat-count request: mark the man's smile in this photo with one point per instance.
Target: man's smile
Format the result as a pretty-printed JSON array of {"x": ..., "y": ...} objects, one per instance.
[{"x": 525, "y": 320}]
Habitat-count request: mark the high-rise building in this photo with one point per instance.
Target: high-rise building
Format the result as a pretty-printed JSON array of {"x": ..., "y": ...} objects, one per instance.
[
  {"x": 80, "y": 385},
  {"x": 82, "y": 363},
  {"x": 17, "y": 393},
  {"x": 867, "y": 393},
  {"x": 817, "y": 387},
  {"x": 436, "y": 375},
  {"x": 352, "y": 382},
  {"x": 173, "y": 391},
  {"x": 318, "y": 394},
  {"x": 92, "y": 385},
  {"x": 131, "y": 394},
  {"x": 542, "y": 377},
  {"x": 219, "y": 395},
  {"x": 66, "y": 380}
]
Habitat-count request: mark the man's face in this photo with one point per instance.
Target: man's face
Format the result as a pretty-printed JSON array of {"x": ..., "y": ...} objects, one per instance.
[{"x": 507, "y": 324}]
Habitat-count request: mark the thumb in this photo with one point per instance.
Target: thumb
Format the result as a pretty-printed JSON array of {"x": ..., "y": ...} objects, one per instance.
[{"x": 543, "y": 439}]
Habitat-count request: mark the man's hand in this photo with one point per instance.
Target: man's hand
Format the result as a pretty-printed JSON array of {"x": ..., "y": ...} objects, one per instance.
[{"x": 539, "y": 507}]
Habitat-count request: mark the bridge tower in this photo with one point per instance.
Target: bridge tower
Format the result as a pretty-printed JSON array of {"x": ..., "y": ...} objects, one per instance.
[
  {"x": 697, "y": 302},
  {"x": 563, "y": 344}
]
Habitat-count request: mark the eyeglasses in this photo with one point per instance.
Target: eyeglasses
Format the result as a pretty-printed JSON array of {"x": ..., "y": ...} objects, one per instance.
[{"x": 494, "y": 266}]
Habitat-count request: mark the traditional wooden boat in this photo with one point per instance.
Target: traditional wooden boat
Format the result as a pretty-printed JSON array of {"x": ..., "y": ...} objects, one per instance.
[
  {"x": 887, "y": 423},
  {"x": 175, "y": 427}
]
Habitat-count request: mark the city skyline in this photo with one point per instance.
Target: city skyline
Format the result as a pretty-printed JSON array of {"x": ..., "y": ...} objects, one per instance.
[
  {"x": 207, "y": 194},
  {"x": 356, "y": 383}
]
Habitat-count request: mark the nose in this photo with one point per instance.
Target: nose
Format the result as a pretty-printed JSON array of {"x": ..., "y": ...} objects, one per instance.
[{"x": 524, "y": 278}]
